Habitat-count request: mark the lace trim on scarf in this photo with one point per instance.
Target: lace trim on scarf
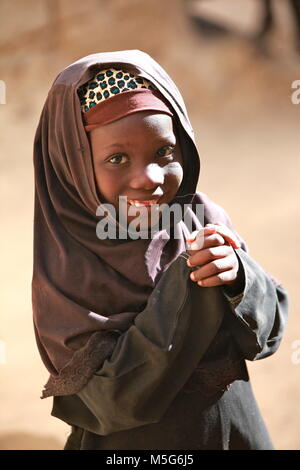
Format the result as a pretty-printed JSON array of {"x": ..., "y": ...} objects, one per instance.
[{"x": 84, "y": 363}]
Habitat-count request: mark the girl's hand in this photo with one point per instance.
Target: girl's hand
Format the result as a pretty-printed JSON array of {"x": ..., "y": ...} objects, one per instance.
[{"x": 212, "y": 252}]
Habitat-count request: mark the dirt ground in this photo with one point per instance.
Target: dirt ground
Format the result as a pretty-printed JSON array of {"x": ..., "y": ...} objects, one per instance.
[{"x": 239, "y": 101}]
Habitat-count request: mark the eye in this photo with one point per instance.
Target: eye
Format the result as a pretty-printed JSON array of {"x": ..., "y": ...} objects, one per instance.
[
  {"x": 118, "y": 159},
  {"x": 165, "y": 151}
]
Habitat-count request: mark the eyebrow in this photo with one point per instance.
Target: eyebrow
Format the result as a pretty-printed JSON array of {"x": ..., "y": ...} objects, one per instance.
[
  {"x": 163, "y": 140},
  {"x": 109, "y": 146}
]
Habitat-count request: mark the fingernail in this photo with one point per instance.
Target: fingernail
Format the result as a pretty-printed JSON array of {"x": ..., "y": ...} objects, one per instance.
[
  {"x": 200, "y": 283},
  {"x": 192, "y": 276},
  {"x": 188, "y": 263}
]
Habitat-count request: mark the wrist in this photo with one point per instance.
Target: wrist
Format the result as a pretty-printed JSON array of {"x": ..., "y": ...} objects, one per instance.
[{"x": 237, "y": 286}]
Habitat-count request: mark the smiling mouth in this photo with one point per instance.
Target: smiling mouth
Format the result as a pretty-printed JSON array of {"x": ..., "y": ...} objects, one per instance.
[{"x": 147, "y": 203}]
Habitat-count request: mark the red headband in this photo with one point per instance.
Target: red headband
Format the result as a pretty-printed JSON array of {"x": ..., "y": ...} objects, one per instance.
[{"x": 122, "y": 105}]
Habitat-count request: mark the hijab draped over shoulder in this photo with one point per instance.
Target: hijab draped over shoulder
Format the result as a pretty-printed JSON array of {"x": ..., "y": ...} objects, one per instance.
[{"x": 86, "y": 291}]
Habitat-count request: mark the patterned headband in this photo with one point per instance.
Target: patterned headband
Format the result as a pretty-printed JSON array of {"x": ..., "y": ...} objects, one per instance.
[
  {"x": 109, "y": 83},
  {"x": 114, "y": 93}
]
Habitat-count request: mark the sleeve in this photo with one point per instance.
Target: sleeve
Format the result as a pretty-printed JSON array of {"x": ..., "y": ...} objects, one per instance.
[
  {"x": 152, "y": 360},
  {"x": 259, "y": 313}
]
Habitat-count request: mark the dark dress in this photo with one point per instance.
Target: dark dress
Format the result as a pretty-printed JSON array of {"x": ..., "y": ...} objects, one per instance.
[
  {"x": 215, "y": 408},
  {"x": 231, "y": 422}
]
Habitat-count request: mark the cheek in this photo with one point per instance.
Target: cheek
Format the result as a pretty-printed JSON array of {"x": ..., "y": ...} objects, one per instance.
[
  {"x": 107, "y": 185},
  {"x": 174, "y": 172}
]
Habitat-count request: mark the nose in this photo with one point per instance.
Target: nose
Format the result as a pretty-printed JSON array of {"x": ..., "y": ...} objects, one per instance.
[{"x": 148, "y": 177}]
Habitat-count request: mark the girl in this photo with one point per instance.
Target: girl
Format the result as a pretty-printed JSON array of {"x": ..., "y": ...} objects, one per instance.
[{"x": 145, "y": 335}]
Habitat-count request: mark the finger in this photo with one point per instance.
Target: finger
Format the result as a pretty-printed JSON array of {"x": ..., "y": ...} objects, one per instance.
[
  {"x": 203, "y": 231},
  {"x": 205, "y": 240},
  {"x": 228, "y": 235},
  {"x": 196, "y": 239},
  {"x": 215, "y": 267},
  {"x": 218, "y": 279},
  {"x": 210, "y": 241},
  {"x": 201, "y": 257}
]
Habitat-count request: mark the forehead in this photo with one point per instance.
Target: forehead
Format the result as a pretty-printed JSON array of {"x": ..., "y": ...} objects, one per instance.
[{"x": 135, "y": 127}]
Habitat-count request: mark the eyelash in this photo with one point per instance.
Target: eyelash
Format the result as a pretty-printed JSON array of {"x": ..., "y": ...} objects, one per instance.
[{"x": 169, "y": 148}]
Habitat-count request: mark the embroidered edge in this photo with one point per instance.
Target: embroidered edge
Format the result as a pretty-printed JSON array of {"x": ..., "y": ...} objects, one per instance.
[{"x": 84, "y": 363}]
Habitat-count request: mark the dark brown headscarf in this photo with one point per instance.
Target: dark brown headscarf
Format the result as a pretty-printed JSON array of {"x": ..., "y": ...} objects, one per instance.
[{"x": 86, "y": 290}]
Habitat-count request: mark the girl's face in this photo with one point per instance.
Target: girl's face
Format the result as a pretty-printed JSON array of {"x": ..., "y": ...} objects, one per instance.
[{"x": 138, "y": 157}]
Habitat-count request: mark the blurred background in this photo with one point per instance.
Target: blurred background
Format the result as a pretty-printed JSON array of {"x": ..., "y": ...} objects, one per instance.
[{"x": 234, "y": 62}]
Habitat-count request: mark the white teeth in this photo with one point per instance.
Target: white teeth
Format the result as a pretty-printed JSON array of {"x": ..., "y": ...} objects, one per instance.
[{"x": 141, "y": 203}]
